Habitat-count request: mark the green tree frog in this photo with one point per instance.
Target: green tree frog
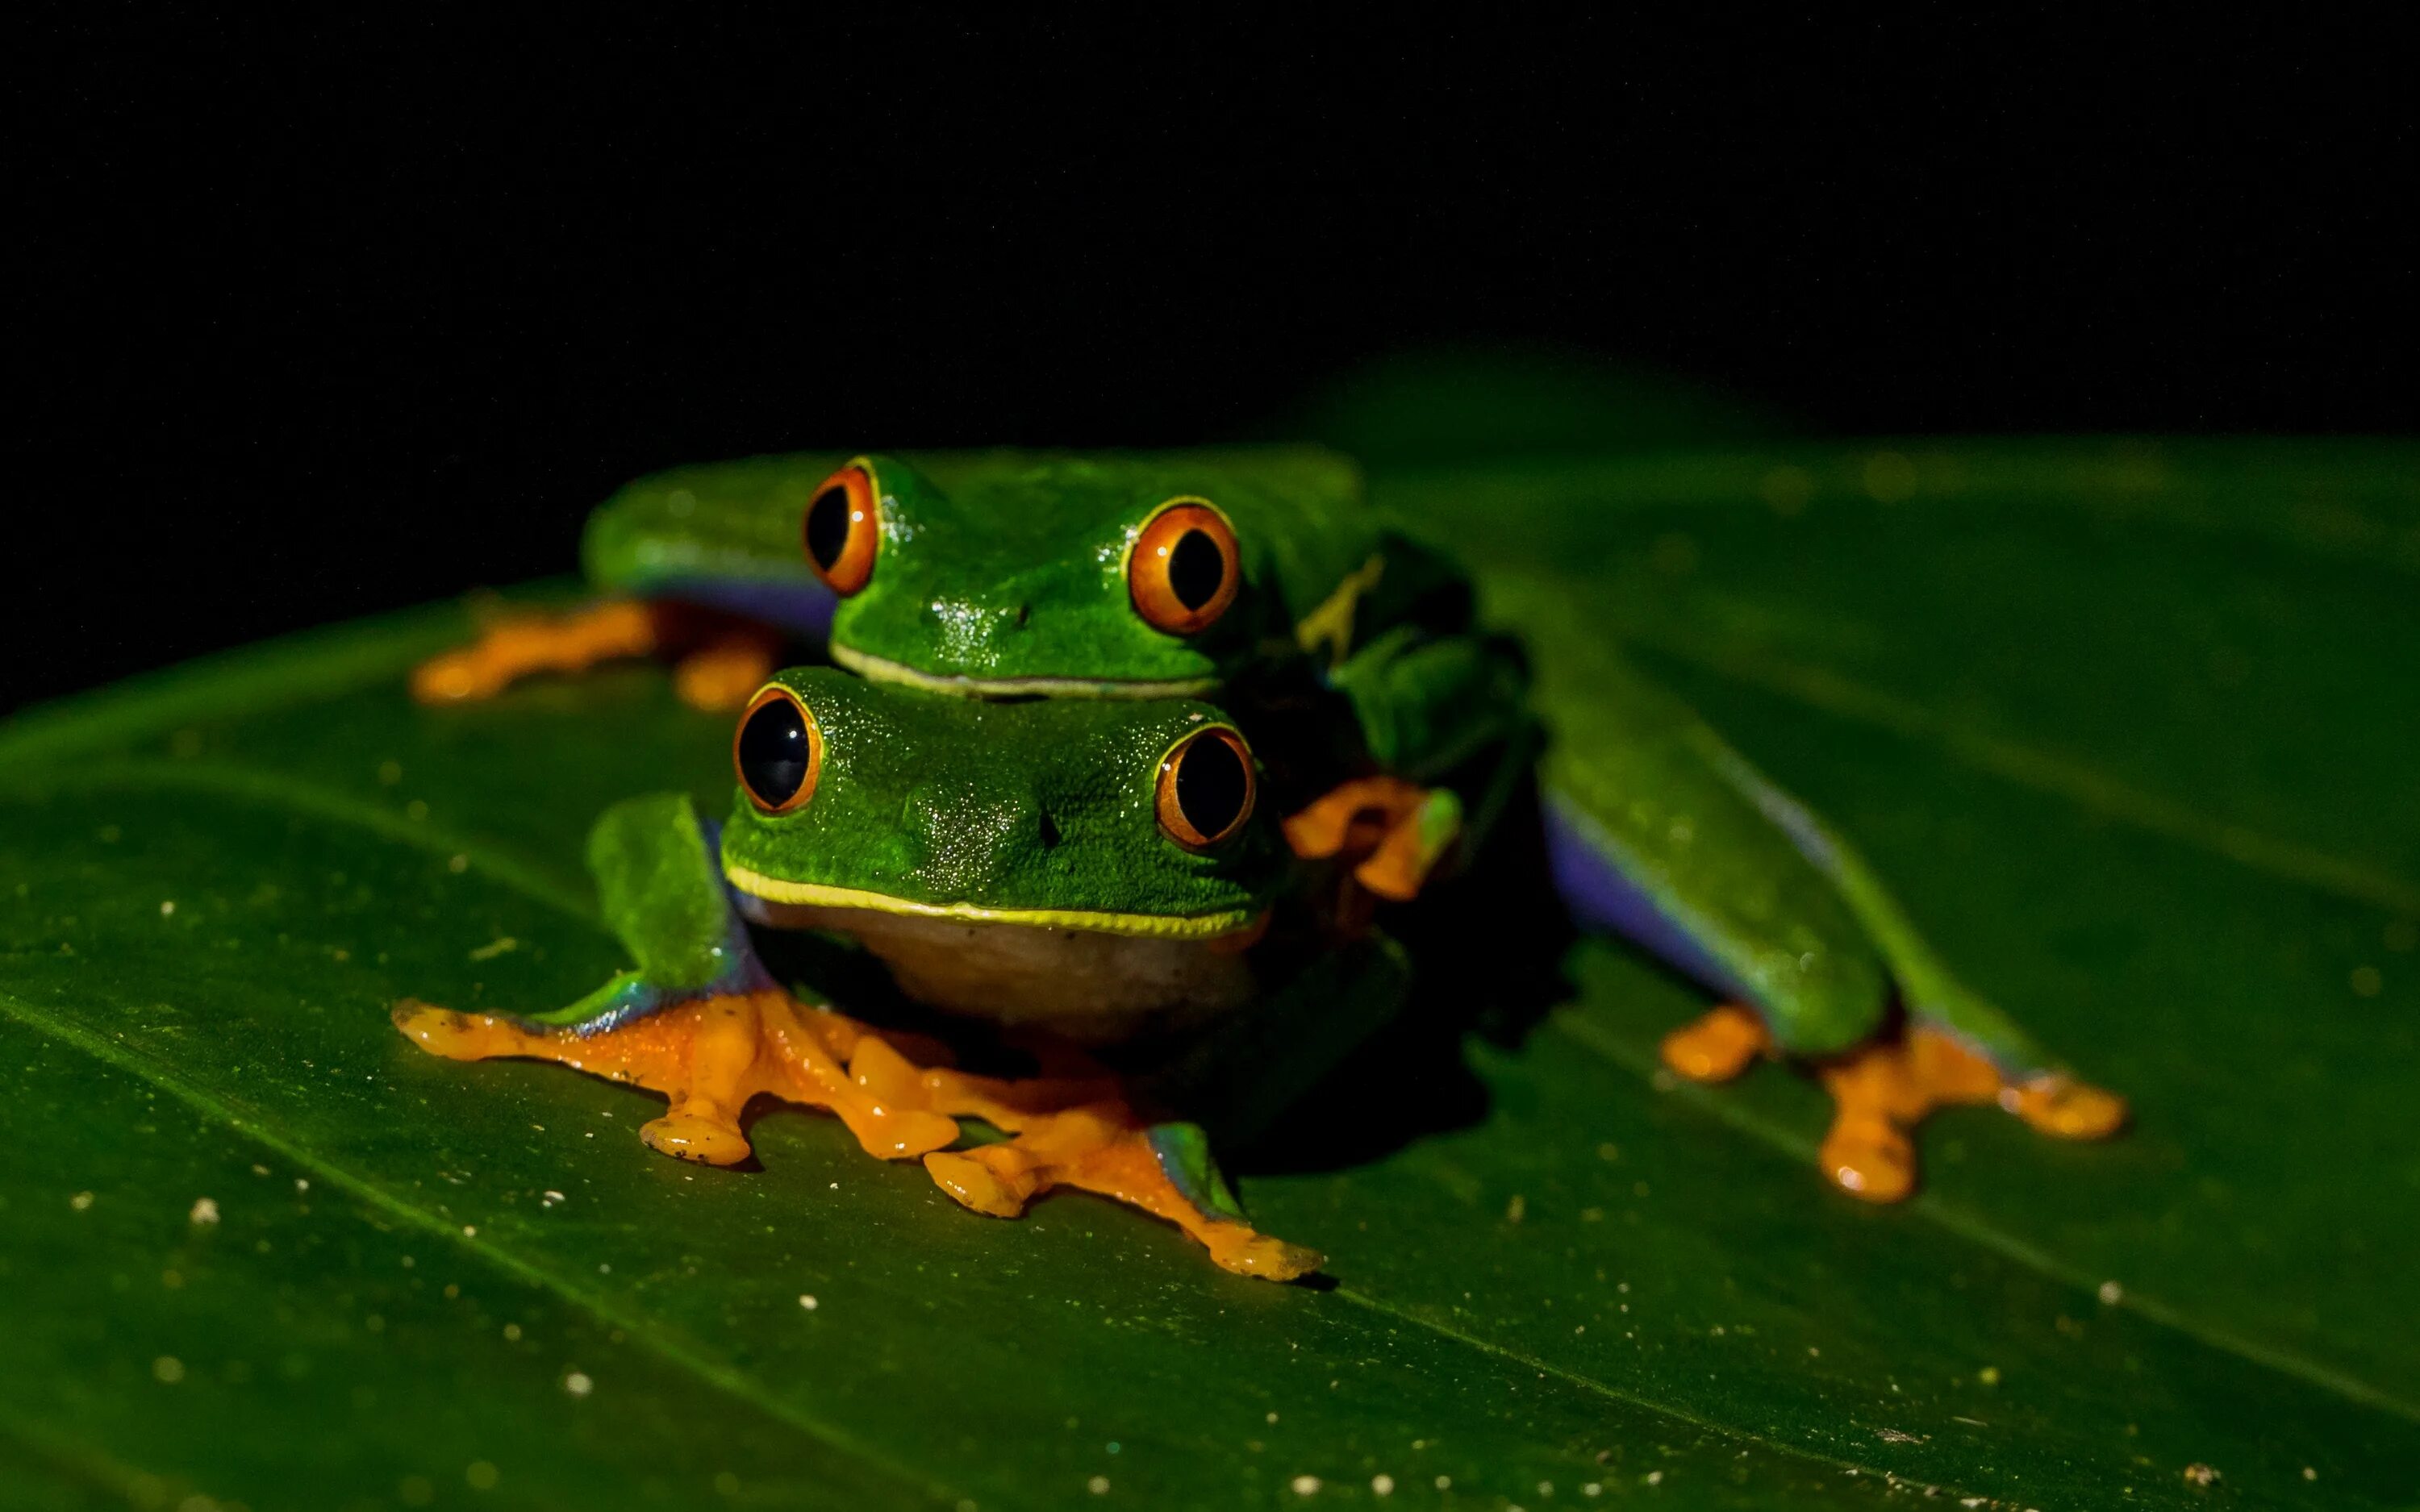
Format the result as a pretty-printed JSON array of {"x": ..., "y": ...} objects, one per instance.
[
  {"x": 1392, "y": 727},
  {"x": 1101, "y": 871}
]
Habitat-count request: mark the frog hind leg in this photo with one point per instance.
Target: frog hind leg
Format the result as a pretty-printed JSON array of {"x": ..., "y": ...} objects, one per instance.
[
  {"x": 2046, "y": 1097},
  {"x": 722, "y": 658}
]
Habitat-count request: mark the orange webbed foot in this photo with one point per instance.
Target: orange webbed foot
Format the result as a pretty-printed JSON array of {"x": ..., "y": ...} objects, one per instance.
[
  {"x": 2065, "y": 1108},
  {"x": 1883, "y": 1090},
  {"x": 721, "y": 674},
  {"x": 519, "y": 645},
  {"x": 1394, "y": 832},
  {"x": 1079, "y": 1132},
  {"x": 708, "y": 1057}
]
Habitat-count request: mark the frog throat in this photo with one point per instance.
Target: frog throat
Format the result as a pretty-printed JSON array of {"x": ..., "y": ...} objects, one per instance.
[
  {"x": 879, "y": 670},
  {"x": 1146, "y": 926}
]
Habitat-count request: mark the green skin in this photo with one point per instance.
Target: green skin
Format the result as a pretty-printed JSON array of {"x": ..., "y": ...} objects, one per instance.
[{"x": 1003, "y": 573}]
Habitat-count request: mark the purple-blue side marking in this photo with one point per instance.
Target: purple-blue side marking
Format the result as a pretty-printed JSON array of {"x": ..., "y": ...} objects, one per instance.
[
  {"x": 1601, "y": 898},
  {"x": 803, "y": 608}
]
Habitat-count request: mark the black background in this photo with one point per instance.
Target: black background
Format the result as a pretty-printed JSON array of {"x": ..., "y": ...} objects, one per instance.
[{"x": 320, "y": 320}]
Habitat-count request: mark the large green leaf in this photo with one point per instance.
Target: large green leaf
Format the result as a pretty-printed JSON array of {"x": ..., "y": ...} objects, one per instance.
[{"x": 2133, "y": 730}]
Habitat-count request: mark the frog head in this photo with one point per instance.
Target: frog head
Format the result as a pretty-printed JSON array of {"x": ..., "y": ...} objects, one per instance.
[
  {"x": 1113, "y": 576},
  {"x": 1080, "y": 863}
]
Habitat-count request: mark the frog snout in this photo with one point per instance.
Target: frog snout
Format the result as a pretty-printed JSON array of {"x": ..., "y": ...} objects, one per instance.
[
  {"x": 965, "y": 631},
  {"x": 965, "y": 838}
]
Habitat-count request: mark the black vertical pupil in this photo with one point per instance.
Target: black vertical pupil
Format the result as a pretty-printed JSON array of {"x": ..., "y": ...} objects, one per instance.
[
  {"x": 1211, "y": 785},
  {"x": 828, "y": 526},
  {"x": 1196, "y": 569},
  {"x": 773, "y": 752}
]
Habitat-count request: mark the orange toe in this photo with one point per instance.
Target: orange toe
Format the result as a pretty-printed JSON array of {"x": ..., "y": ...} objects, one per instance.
[
  {"x": 2066, "y": 1108},
  {"x": 1716, "y": 1047}
]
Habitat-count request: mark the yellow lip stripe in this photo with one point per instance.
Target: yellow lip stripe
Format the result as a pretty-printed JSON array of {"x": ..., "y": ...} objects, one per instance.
[
  {"x": 877, "y": 670},
  {"x": 820, "y": 895}
]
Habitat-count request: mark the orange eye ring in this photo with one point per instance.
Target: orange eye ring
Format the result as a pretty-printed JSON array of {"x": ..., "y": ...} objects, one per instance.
[
  {"x": 777, "y": 750},
  {"x": 1184, "y": 569},
  {"x": 1206, "y": 788},
  {"x": 842, "y": 527}
]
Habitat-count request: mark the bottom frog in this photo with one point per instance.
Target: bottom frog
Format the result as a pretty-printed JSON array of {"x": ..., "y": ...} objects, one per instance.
[{"x": 1080, "y": 872}]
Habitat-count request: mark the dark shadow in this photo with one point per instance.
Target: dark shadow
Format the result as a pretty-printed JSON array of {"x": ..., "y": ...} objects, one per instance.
[{"x": 1486, "y": 948}]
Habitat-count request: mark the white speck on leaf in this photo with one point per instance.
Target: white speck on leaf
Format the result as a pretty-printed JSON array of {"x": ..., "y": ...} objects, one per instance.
[
  {"x": 205, "y": 1212},
  {"x": 807, "y": 1301},
  {"x": 1305, "y": 1486},
  {"x": 578, "y": 1385}
]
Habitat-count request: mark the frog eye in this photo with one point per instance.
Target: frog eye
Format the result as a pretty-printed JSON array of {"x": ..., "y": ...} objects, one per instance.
[
  {"x": 1206, "y": 788},
  {"x": 778, "y": 751},
  {"x": 844, "y": 524},
  {"x": 1184, "y": 569}
]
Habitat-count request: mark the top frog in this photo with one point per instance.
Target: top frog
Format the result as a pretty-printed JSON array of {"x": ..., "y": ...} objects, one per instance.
[
  {"x": 1255, "y": 575},
  {"x": 1144, "y": 577}
]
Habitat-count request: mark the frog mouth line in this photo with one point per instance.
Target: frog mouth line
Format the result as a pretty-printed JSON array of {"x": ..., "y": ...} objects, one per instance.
[
  {"x": 1142, "y": 926},
  {"x": 880, "y": 670}
]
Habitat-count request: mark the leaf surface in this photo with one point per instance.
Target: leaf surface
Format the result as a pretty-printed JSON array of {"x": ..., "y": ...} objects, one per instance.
[{"x": 260, "y": 1250}]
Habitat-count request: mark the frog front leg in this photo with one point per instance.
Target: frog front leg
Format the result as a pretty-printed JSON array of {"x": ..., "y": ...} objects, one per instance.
[
  {"x": 698, "y": 1019},
  {"x": 719, "y": 658},
  {"x": 1429, "y": 708}
]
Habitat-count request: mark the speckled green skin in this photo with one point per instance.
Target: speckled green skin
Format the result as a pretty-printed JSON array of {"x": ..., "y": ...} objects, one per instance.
[
  {"x": 1019, "y": 571},
  {"x": 938, "y": 800}
]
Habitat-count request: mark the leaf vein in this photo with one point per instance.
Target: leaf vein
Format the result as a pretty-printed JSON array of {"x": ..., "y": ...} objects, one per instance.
[
  {"x": 719, "y": 1377},
  {"x": 1595, "y": 1038}
]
